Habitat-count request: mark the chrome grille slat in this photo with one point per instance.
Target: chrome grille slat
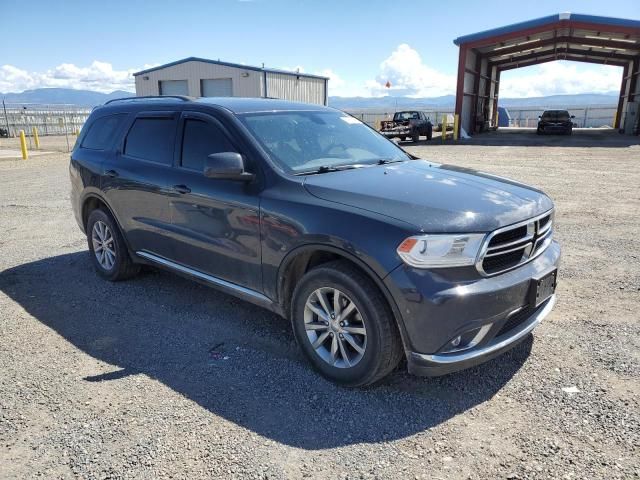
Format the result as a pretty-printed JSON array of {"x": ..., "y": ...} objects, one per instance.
[
  {"x": 502, "y": 252},
  {"x": 547, "y": 226},
  {"x": 523, "y": 241},
  {"x": 499, "y": 252}
]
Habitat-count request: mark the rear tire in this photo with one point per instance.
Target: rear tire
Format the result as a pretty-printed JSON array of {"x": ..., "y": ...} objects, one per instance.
[
  {"x": 355, "y": 344},
  {"x": 107, "y": 248}
]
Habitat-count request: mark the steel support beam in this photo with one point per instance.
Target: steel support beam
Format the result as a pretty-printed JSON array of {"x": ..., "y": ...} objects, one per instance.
[
  {"x": 462, "y": 60},
  {"x": 563, "y": 57},
  {"x": 565, "y": 51},
  {"x": 591, "y": 42},
  {"x": 623, "y": 92}
]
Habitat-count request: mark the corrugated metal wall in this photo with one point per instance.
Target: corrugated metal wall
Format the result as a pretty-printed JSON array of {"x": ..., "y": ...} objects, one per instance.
[
  {"x": 290, "y": 87},
  {"x": 193, "y": 72},
  {"x": 246, "y": 82}
]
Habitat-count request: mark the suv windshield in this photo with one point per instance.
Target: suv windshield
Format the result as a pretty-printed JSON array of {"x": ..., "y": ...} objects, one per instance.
[
  {"x": 556, "y": 116},
  {"x": 302, "y": 142}
]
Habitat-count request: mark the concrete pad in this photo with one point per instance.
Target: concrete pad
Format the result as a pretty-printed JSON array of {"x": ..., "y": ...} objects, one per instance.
[{"x": 12, "y": 154}]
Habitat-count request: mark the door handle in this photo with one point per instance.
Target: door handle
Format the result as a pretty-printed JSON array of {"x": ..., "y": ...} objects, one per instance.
[
  {"x": 111, "y": 173},
  {"x": 181, "y": 189}
]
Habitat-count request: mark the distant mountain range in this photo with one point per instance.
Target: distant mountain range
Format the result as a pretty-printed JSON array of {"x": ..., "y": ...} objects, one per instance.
[
  {"x": 86, "y": 98},
  {"x": 90, "y": 98},
  {"x": 448, "y": 101}
]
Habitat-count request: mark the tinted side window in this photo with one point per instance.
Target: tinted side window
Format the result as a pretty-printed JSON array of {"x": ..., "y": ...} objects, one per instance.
[
  {"x": 152, "y": 139},
  {"x": 199, "y": 140},
  {"x": 102, "y": 131}
]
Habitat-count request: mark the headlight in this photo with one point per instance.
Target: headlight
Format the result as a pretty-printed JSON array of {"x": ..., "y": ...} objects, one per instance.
[{"x": 436, "y": 251}]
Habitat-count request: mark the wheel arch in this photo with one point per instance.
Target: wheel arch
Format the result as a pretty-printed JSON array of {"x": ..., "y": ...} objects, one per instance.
[
  {"x": 92, "y": 201},
  {"x": 300, "y": 260}
]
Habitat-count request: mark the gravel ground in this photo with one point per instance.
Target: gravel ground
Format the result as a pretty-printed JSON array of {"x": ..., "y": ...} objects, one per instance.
[{"x": 160, "y": 377}]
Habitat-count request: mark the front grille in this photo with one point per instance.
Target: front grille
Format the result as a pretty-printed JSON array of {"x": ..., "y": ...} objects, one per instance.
[
  {"x": 509, "y": 247},
  {"x": 516, "y": 320},
  {"x": 509, "y": 236},
  {"x": 502, "y": 262}
]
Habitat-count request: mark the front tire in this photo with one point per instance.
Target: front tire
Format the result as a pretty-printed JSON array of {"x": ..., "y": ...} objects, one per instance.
[
  {"x": 107, "y": 248},
  {"x": 344, "y": 325}
]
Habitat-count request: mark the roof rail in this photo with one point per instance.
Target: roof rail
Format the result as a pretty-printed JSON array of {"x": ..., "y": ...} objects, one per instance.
[{"x": 148, "y": 97}]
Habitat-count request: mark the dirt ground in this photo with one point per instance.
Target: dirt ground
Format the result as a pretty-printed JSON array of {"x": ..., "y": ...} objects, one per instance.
[{"x": 160, "y": 377}]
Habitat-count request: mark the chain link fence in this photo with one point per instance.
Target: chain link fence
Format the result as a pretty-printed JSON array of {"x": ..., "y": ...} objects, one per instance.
[
  {"x": 57, "y": 126},
  {"x": 373, "y": 119},
  {"x": 585, "y": 117}
]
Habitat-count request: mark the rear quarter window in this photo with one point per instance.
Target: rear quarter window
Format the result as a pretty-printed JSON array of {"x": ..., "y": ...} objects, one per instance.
[
  {"x": 151, "y": 139},
  {"x": 102, "y": 132}
]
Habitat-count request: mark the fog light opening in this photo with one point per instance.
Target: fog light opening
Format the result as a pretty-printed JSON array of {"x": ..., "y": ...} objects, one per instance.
[{"x": 467, "y": 340}]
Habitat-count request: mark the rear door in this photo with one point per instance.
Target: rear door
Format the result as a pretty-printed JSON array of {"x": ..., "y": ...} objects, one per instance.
[
  {"x": 215, "y": 221},
  {"x": 135, "y": 181}
]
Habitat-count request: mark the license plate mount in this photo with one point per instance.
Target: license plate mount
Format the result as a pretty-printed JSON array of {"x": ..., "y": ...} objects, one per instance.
[{"x": 543, "y": 287}]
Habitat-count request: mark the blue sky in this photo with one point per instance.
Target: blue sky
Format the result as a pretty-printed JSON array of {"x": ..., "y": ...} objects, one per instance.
[{"x": 97, "y": 44}]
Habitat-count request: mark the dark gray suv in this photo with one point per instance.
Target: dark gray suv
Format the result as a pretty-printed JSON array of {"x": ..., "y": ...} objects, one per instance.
[{"x": 373, "y": 254}]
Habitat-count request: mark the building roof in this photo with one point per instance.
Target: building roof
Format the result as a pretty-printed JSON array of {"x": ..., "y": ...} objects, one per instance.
[
  {"x": 228, "y": 64},
  {"x": 564, "y": 36},
  {"x": 549, "y": 20}
]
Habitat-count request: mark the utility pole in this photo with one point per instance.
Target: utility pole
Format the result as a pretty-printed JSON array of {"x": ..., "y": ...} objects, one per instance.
[{"x": 6, "y": 119}]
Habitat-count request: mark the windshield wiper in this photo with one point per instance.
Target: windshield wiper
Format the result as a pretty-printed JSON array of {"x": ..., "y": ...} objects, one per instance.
[
  {"x": 330, "y": 168},
  {"x": 384, "y": 161}
]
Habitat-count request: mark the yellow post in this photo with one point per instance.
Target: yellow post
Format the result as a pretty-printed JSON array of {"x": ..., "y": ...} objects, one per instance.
[
  {"x": 456, "y": 126},
  {"x": 36, "y": 138},
  {"x": 615, "y": 118},
  {"x": 23, "y": 146},
  {"x": 444, "y": 127}
]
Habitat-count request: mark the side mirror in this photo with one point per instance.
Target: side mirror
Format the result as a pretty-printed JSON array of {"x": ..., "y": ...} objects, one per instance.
[
  {"x": 539, "y": 116},
  {"x": 573, "y": 116},
  {"x": 226, "y": 165}
]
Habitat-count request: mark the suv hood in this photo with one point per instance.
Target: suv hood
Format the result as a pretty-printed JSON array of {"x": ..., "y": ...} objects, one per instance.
[{"x": 435, "y": 198}]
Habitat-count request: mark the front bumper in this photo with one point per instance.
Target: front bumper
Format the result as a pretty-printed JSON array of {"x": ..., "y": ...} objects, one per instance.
[
  {"x": 438, "y": 305},
  {"x": 554, "y": 127},
  {"x": 405, "y": 132},
  {"x": 441, "y": 364}
]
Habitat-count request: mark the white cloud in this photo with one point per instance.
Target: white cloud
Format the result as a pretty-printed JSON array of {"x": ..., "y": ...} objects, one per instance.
[
  {"x": 335, "y": 80},
  {"x": 337, "y": 85},
  {"x": 409, "y": 76},
  {"x": 561, "y": 77},
  {"x": 99, "y": 76}
]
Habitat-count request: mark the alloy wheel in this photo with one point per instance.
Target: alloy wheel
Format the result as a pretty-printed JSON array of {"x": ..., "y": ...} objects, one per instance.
[
  {"x": 103, "y": 245},
  {"x": 335, "y": 328}
]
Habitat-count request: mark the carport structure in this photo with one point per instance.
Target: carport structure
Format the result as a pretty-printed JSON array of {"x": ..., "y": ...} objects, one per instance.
[{"x": 565, "y": 36}]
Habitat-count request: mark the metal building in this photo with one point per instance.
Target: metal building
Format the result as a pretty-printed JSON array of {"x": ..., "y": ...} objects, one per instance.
[
  {"x": 199, "y": 77},
  {"x": 566, "y": 36}
]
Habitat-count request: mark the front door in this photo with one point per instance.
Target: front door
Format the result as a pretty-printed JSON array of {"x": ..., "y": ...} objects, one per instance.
[{"x": 213, "y": 220}]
